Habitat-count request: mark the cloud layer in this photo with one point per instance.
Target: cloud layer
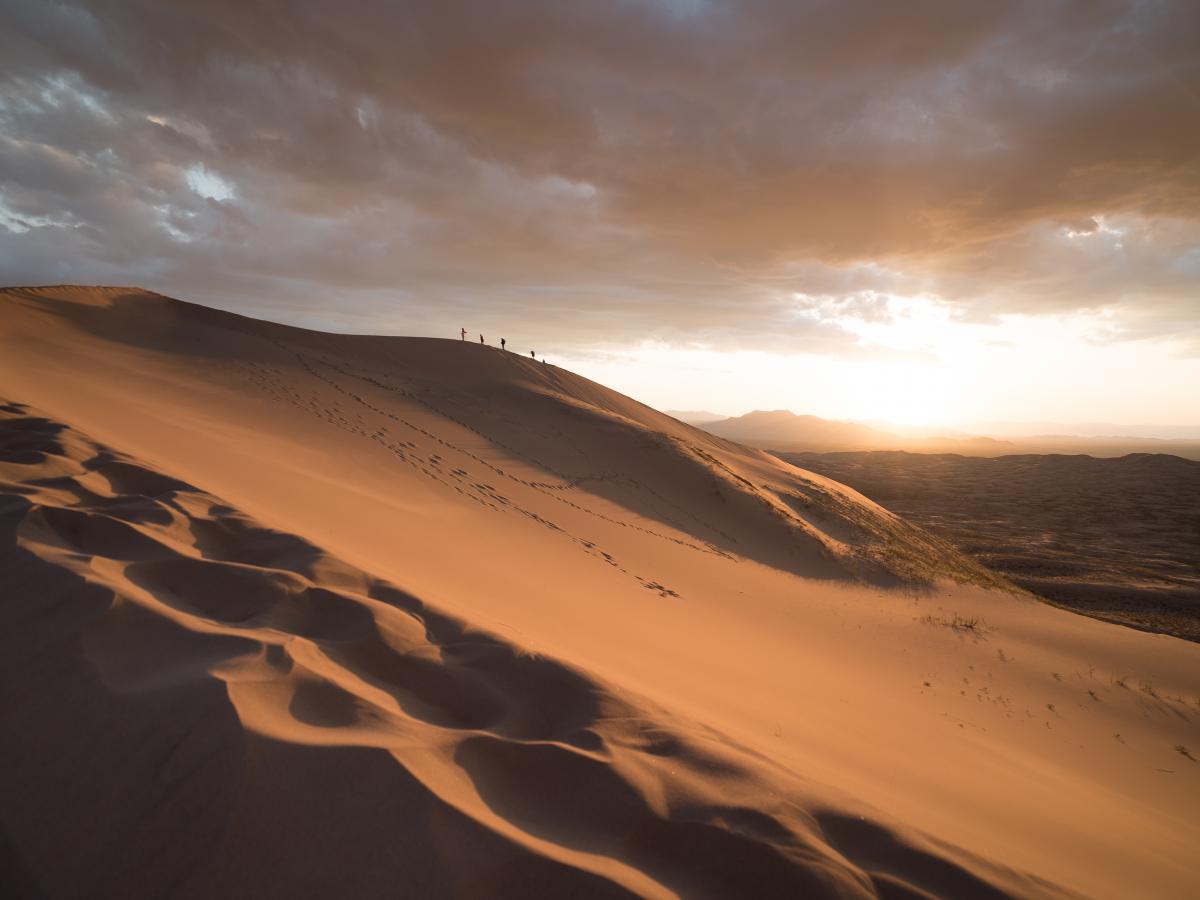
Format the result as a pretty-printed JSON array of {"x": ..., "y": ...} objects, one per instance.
[{"x": 680, "y": 170}]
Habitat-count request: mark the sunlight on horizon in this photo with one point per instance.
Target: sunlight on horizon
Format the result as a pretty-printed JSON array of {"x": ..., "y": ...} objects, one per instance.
[{"x": 921, "y": 367}]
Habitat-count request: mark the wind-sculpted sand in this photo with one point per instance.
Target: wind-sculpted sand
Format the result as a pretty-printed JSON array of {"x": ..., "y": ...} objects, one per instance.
[
  {"x": 165, "y": 597},
  {"x": 305, "y": 615}
]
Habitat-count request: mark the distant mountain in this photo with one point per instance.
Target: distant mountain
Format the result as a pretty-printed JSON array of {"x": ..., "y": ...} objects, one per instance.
[
  {"x": 785, "y": 431},
  {"x": 694, "y": 416},
  {"x": 1102, "y": 430},
  {"x": 1104, "y": 446},
  {"x": 783, "y": 427}
]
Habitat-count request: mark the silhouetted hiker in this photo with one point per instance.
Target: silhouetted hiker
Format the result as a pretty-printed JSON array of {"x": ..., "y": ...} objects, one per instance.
[
  {"x": 531, "y": 355},
  {"x": 464, "y": 333},
  {"x": 481, "y": 339},
  {"x": 501, "y": 343}
]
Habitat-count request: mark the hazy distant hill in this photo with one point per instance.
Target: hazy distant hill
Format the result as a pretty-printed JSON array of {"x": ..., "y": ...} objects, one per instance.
[
  {"x": 781, "y": 426},
  {"x": 781, "y": 429},
  {"x": 1110, "y": 431},
  {"x": 1102, "y": 446},
  {"x": 784, "y": 430}
]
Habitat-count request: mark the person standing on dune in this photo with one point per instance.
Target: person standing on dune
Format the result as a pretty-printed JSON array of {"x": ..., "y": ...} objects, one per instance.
[
  {"x": 464, "y": 333},
  {"x": 532, "y": 355},
  {"x": 502, "y": 342},
  {"x": 481, "y": 339}
]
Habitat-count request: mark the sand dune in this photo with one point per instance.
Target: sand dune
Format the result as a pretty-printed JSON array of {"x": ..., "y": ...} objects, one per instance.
[
  {"x": 293, "y": 614},
  {"x": 559, "y": 782}
]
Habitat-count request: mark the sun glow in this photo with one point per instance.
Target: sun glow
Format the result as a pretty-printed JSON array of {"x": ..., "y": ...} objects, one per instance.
[
  {"x": 914, "y": 364},
  {"x": 909, "y": 395}
]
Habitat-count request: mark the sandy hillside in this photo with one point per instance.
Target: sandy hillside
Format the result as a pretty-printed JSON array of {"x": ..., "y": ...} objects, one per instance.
[{"x": 305, "y": 615}]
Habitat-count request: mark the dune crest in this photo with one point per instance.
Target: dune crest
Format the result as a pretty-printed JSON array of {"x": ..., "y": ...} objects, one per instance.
[{"x": 725, "y": 499}]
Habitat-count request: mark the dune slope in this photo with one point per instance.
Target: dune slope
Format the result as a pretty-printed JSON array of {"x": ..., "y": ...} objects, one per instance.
[
  {"x": 195, "y": 660},
  {"x": 643, "y": 661}
]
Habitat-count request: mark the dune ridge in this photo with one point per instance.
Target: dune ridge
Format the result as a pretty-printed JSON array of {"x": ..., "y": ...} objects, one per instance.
[
  {"x": 798, "y": 520},
  {"x": 575, "y": 784}
]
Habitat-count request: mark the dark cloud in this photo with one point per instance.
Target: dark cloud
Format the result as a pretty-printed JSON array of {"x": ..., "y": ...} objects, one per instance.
[{"x": 675, "y": 169}]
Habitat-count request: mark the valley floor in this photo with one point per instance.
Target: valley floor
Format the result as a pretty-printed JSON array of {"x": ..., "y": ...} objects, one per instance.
[{"x": 1115, "y": 538}]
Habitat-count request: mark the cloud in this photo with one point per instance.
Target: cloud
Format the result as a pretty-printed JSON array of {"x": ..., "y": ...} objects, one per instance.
[{"x": 673, "y": 171}]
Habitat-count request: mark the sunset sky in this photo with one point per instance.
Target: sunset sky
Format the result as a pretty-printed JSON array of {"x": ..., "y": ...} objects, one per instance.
[{"x": 929, "y": 212}]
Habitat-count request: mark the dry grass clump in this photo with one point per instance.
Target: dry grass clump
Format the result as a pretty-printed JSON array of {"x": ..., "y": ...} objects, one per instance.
[{"x": 973, "y": 624}]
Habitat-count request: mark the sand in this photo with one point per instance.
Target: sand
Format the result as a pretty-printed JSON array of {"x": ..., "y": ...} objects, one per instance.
[{"x": 305, "y": 615}]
